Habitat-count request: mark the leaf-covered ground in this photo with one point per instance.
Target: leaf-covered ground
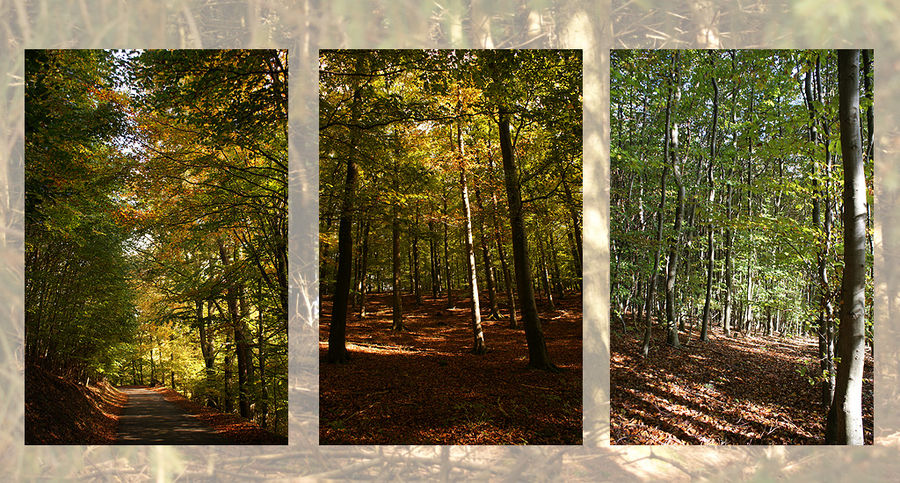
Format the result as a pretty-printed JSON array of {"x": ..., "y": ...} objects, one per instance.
[
  {"x": 738, "y": 390},
  {"x": 58, "y": 411},
  {"x": 423, "y": 386}
]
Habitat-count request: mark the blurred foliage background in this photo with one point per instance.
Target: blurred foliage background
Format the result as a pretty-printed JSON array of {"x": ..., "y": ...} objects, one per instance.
[{"x": 304, "y": 26}]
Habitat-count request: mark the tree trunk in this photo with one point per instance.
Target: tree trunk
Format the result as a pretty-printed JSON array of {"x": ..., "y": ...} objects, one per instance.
[
  {"x": 242, "y": 348},
  {"x": 261, "y": 351},
  {"x": 432, "y": 252},
  {"x": 501, "y": 252},
  {"x": 869, "y": 151},
  {"x": 710, "y": 248},
  {"x": 448, "y": 280},
  {"x": 488, "y": 262},
  {"x": 206, "y": 350},
  {"x": 845, "y": 416},
  {"x": 356, "y": 279},
  {"x": 397, "y": 304},
  {"x": 537, "y": 348},
  {"x": 823, "y": 275},
  {"x": 747, "y": 312},
  {"x": 234, "y": 295},
  {"x": 557, "y": 273},
  {"x": 545, "y": 274},
  {"x": 415, "y": 260},
  {"x": 226, "y": 369},
  {"x": 576, "y": 227},
  {"x": 471, "y": 270},
  {"x": 362, "y": 286},
  {"x": 674, "y": 249},
  {"x": 152, "y": 368},
  {"x": 651, "y": 283},
  {"x": 674, "y": 242},
  {"x": 337, "y": 329},
  {"x": 825, "y": 312}
]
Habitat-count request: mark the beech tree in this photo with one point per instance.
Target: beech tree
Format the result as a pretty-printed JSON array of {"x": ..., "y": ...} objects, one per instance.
[
  {"x": 845, "y": 416},
  {"x": 755, "y": 176},
  {"x": 418, "y": 125}
]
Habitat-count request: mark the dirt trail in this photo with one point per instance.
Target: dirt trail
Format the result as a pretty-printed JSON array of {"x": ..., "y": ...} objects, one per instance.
[{"x": 149, "y": 419}]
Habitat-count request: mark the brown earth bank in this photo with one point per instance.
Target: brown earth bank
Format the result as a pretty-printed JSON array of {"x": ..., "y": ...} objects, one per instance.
[
  {"x": 58, "y": 411},
  {"x": 424, "y": 386},
  {"x": 731, "y": 390}
]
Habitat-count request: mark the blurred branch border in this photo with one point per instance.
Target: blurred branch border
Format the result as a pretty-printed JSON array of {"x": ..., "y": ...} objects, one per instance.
[{"x": 304, "y": 26}]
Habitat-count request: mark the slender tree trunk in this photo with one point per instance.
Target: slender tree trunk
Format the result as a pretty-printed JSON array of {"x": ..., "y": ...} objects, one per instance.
[
  {"x": 674, "y": 249},
  {"x": 396, "y": 298},
  {"x": 501, "y": 253},
  {"x": 651, "y": 283},
  {"x": 337, "y": 329},
  {"x": 141, "y": 371},
  {"x": 432, "y": 252},
  {"x": 576, "y": 227},
  {"x": 729, "y": 231},
  {"x": 397, "y": 305},
  {"x": 824, "y": 314},
  {"x": 449, "y": 281},
  {"x": 415, "y": 260},
  {"x": 557, "y": 274},
  {"x": 477, "y": 331},
  {"x": 823, "y": 272},
  {"x": 356, "y": 279},
  {"x": 537, "y": 348},
  {"x": 710, "y": 248},
  {"x": 674, "y": 243},
  {"x": 747, "y": 318},
  {"x": 172, "y": 368},
  {"x": 245, "y": 360},
  {"x": 845, "y": 416},
  {"x": 206, "y": 350},
  {"x": 870, "y": 111},
  {"x": 362, "y": 286},
  {"x": 237, "y": 310},
  {"x": 261, "y": 351},
  {"x": 153, "y": 380},
  {"x": 226, "y": 369},
  {"x": 545, "y": 276},
  {"x": 488, "y": 262},
  {"x": 325, "y": 254},
  {"x": 869, "y": 151}
]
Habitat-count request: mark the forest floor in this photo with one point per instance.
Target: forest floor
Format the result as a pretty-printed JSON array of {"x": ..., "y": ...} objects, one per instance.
[
  {"x": 738, "y": 390},
  {"x": 423, "y": 386}
]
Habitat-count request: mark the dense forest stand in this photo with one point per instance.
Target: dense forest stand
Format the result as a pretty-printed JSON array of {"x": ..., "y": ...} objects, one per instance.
[{"x": 757, "y": 195}]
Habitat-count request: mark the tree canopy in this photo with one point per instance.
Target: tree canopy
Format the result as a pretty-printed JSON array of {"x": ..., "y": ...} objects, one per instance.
[{"x": 156, "y": 220}]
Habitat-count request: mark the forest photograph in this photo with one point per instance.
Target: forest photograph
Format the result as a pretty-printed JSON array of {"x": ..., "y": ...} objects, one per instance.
[
  {"x": 741, "y": 247},
  {"x": 450, "y": 247},
  {"x": 156, "y": 247}
]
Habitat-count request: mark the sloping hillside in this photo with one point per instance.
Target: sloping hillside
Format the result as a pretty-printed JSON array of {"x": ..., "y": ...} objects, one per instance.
[{"x": 58, "y": 411}]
